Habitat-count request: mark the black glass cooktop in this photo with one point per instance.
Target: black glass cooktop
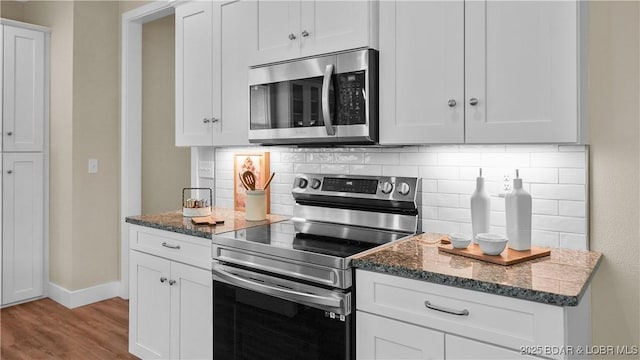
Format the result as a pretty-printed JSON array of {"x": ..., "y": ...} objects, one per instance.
[{"x": 283, "y": 237}]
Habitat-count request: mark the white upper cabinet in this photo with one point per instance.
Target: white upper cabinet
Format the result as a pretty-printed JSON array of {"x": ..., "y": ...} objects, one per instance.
[
  {"x": 194, "y": 85},
  {"x": 23, "y": 95},
  {"x": 522, "y": 65},
  {"x": 481, "y": 72},
  {"x": 234, "y": 41},
  {"x": 213, "y": 43},
  {"x": 292, "y": 29},
  {"x": 421, "y": 72}
]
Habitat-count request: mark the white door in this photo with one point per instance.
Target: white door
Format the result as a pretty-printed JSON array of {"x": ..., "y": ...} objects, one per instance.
[
  {"x": 328, "y": 26},
  {"x": 458, "y": 348},
  {"x": 194, "y": 86},
  {"x": 149, "y": 306},
  {"x": 278, "y": 31},
  {"x": 379, "y": 338},
  {"x": 421, "y": 72},
  {"x": 234, "y": 43},
  {"x": 22, "y": 226},
  {"x": 23, "y": 90},
  {"x": 191, "y": 312},
  {"x": 521, "y": 71}
]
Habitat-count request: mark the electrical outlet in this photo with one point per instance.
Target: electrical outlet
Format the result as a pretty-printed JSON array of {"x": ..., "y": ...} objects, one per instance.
[
  {"x": 506, "y": 182},
  {"x": 205, "y": 169}
]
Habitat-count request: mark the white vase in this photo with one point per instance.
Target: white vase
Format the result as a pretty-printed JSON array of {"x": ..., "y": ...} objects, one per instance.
[
  {"x": 518, "y": 213},
  {"x": 480, "y": 209}
]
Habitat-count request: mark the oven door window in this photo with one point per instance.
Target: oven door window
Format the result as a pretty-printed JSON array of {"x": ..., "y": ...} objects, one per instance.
[
  {"x": 252, "y": 325},
  {"x": 288, "y": 104}
]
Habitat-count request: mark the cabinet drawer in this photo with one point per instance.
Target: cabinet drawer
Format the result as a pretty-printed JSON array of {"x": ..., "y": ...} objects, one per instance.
[
  {"x": 495, "y": 319},
  {"x": 190, "y": 250}
]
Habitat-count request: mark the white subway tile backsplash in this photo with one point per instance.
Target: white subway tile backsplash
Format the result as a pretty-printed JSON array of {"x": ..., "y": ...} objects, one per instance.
[
  {"x": 573, "y": 176},
  {"x": 382, "y": 158},
  {"x": 370, "y": 170},
  {"x": 334, "y": 169},
  {"x": 559, "y": 191},
  {"x": 429, "y": 185},
  {"x": 456, "y": 186},
  {"x": 420, "y": 159},
  {"x": 544, "y": 207},
  {"x": 453, "y": 214},
  {"x": 349, "y": 158},
  {"x": 559, "y": 223},
  {"x": 572, "y": 208},
  {"x": 558, "y": 159},
  {"x": 400, "y": 170},
  {"x": 440, "y": 172},
  {"x": 555, "y": 176}
]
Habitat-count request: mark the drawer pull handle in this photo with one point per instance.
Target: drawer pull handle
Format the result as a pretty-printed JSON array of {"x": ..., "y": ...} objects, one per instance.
[
  {"x": 177, "y": 247},
  {"x": 464, "y": 312}
]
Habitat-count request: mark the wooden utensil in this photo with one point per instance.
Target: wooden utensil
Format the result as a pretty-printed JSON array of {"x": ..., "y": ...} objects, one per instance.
[
  {"x": 249, "y": 180},
  {"x": 266, "y": 185},
  {"x": 244, "y": 184}
]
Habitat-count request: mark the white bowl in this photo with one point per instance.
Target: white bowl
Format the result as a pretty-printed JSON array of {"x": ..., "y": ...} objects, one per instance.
[
  {"x": 459, "y": 241},
  {"x": 491, "y": 244}
]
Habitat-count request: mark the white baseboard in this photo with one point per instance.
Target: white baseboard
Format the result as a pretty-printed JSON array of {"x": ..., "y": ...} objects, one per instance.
[{"x": 77, "y": 298}]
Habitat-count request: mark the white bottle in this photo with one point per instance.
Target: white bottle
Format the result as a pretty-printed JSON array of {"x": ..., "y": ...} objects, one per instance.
[
  {"x": 480, "y": 209},
  {"x": 518, "y": 211}
]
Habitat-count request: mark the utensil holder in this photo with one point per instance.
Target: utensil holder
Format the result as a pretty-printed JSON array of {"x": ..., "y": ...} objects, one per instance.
[
  {"x": 256, "y": 205},
  {"x": 196, "y": 207}
]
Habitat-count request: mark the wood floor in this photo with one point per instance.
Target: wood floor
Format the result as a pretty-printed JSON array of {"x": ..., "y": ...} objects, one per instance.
[{"x": 44, "y": 329}]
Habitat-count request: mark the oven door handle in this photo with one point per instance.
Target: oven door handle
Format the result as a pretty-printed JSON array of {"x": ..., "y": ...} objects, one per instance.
[
  {"x": 326, "y": 111},
  {"x": 280, "y": 292}
]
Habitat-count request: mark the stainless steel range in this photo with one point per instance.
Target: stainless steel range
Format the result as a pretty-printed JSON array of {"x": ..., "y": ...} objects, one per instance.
[{"x": 285, "y": 290}]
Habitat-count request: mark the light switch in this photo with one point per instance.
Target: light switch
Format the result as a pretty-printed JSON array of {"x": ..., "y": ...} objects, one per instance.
[
  {"x": 93, "y": 166},
  {"x": 205, "y": 169}
]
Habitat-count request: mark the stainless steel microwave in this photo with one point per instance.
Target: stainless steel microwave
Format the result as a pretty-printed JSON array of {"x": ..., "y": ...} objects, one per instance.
[{"x": 326, "y": 100}]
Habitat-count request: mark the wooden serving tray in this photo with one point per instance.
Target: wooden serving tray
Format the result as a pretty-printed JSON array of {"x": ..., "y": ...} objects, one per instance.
[
  {"x": 208, "y": 220},
  {"x": 507, "y": 257}
]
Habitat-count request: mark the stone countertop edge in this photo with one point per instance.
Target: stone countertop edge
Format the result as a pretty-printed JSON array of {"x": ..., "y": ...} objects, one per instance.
[
  {"x": 174, "y": 222},
  {"x": 476, "y": 285}
]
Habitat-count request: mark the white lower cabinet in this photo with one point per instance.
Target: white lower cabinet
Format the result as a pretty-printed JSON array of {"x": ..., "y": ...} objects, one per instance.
[
  {"x": 22, "y": 226},
  {"x": 170, "y": 304},
  {"x": 380, "y": 338},
  {"x": 400, "y": 318}
]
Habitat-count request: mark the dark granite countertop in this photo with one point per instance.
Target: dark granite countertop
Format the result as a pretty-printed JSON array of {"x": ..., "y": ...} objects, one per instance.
[
  {"x": 175, "y": 222},
  {"x": 559, "y": 279}
]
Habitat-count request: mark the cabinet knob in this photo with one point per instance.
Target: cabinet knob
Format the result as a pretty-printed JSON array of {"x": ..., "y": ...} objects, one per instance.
[
  {"x": 305, "y": 33},
  {"x": 163, "y": 279},
  {"x": 452, "y": 103},
  {"x": 206, "y": 121},
  {"x": 9, "y": 133},
  {"x": 473, "y": 101},
  {"x": 171, "y": 282},
  {"x": 292, "y": 36},
  {"x": 9, "y": 171},
  {"x": 214, "y": 120}
]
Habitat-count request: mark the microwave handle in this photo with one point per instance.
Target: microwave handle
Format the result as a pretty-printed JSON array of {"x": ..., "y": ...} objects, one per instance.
[{"x": 326, "y": 112}]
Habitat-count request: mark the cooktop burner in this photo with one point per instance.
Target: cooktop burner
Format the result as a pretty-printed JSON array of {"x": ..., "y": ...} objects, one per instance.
[{"x": 282, "y": 235}]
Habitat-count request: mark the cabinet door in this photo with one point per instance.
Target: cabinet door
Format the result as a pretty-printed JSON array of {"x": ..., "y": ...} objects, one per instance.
[
  {"x": 22, "y": 226},
  {"x": 149, "y": 306},
  {"x": 191, "y": 312},
  {"x": 381, "y": 338},
  {"x": 521, "y": 67},
  {"x": 461, "y": 348},
  {"x": 234, "y": 42},
  {"x": 329, "y": 26},
  {"x": 421, "y": 72},
  {"x": 194, "y": 86},
  {"x": 278, "y": 31},
  {"x": 23, "y": 89}
]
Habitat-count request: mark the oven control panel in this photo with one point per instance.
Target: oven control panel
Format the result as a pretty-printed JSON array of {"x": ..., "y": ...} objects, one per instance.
[{"x": 356, "y": 186}]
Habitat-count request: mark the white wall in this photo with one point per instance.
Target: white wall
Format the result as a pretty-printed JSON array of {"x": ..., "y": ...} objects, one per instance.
[{"x": 555, "y": 175}]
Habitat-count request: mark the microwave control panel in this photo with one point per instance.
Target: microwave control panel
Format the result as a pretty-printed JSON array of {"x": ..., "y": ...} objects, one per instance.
[{"x": 351, "y": 98}]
